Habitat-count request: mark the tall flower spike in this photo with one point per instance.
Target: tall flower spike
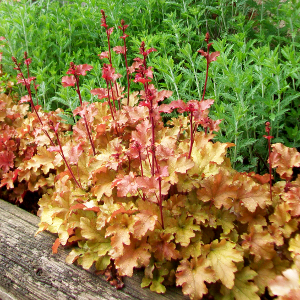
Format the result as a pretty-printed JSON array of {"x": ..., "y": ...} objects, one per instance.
[
  {"x": 76, "y": 71},
  {"x": 103, "y": 19},
  {"x": 209, "y": 58},
  {"x": 124, "y": 36}
]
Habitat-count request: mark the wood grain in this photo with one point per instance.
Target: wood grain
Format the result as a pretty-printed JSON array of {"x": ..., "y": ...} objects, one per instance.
[{"x": 29, "y": 270}]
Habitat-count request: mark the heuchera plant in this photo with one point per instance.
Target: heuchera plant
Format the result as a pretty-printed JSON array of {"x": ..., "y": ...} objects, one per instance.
[
  {"x": 132, "y": 192},
  {"x": 21, "y": 141}
]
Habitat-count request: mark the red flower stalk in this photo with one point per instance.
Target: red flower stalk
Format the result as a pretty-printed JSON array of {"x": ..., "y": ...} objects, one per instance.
[
  {"x": 60, "y": 150},
  {"x": 108, "y": 33},
  {"x": 269, "y": 137},
  {"x": 143, "y": 76},
  {"x": 26, "y": 82},
  {"x": 109, "y": 75},
  {"x": 209, "y": 58},
  {"x": 75, "y": 72},
  {"x": 124, "y": 36}
]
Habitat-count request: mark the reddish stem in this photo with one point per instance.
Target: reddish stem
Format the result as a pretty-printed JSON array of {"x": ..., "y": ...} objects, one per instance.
[
  {"x": 84, "y": 117},
  {"x": 207, "y": 67},
  {"x": 63, "y": 156},
  {"x": 27, "y": 85},
  {"x": 112, "y": 95},
  {"x": 125, "y": 56},
  {"x": 109, "y": 51},
  {"x": 109, "y": 103}
]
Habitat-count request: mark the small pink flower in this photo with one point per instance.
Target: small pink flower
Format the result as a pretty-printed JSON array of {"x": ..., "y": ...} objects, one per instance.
[{"x": 27, "y": 61}]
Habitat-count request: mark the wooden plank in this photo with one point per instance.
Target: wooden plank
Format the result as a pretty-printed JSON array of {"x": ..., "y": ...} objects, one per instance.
[{"x": 29, "y": 270}]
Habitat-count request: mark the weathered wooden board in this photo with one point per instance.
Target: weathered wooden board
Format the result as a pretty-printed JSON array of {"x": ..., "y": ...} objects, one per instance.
[{"x": 29, "y": 270}]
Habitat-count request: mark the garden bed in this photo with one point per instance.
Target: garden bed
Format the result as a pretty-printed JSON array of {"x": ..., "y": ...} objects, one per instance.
[{"x": 29, "y": 270}]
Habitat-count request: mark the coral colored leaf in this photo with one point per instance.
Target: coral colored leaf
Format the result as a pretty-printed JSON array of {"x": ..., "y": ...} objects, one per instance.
[
  {"x": 213, "y": 56},
  {"x": 163, "y": 247},
  {"x": 150, "y": 185},
  {"x": 74, "y": 153},
  {"x": 282, "y": 223},
  {"x": 25, "y": 99},
  {"x": 260, "y": 243},
  {"x": 100, "y": 92},
  {"x": 183, "y": 164},
  {"x": 119, "y": 49},
  {"x": 120, "y": 232},
  {"x": 103, "y": 55},
  {"x": 9, "y": 178},
  {"x": 55, "y": 245},
  {"x": 165, "y": 108},
  {"x": 122, "y": 210},
  {"x": 6, "y": 160},
  {"x": 77, "y": 206},
  {"x": 251, "y": 194},
  {"x": 135, "y": 255},
  {"x": 68, "y": 81},
  {"x": 103, "y": 184},
  {"x": 180, "y": 105},
  {"x": 284, "y": 159},
  {"x": 292, "y": 295},
  {"x": 142, "y": 134},
  {"x": 84, "y": 207},
  {"x": 53, "y": 149},
  {"x": 206, "y": 104},
  {"x": 126, "y": 185},
  {"x": 282, "y": 285},
  {"x": 108, "y": 73},
  {"x": 145, "y": 222},
  {"x": 192, "y": 275},
  {"x": 148, "y": 51},
  {"x": 218, "y": 189},
  {"x": 43, "y": 159},
  {"x": 292, "y": 198},
  {"x": 177, "y": 165},
  {"x": 82, "y": 69},
  {"x": 162, "y": 95},
  {"x": 222, "y": 257}
]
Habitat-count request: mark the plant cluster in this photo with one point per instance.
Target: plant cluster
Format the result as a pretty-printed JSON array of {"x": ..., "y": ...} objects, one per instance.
[
  {"x": 256, "y": 76},
  {"x": 19, "y": 141},
  {"x": 23, "y": 183},
  {"x": 129, "y": 190}
]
